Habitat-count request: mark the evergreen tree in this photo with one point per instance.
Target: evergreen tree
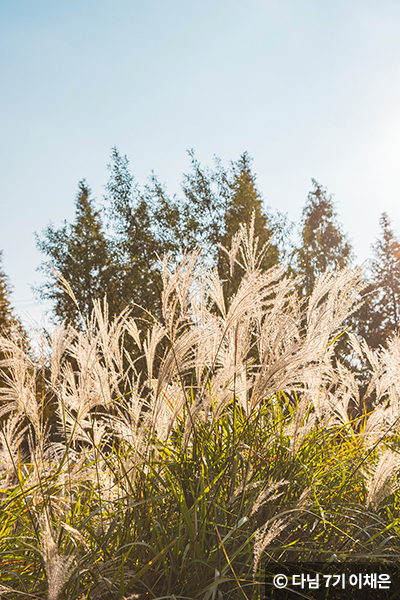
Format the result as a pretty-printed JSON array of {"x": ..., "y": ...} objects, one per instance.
[
  {"x": 81, "y": 253},
  {"x": 207, "y": 193},
  {"x": 149, "y": 224},
  {"x": 9, "y": 322},
  {"x": 7, "y": 319},
  {"x": 245, "y": 201},
  {"x": 143, "y": 226},
  {"x": 379, "y": 317},
  {"x": 323, "y": 244},
  {"x": 216, "y": 202},
  {"x": 146, "y": 226}
]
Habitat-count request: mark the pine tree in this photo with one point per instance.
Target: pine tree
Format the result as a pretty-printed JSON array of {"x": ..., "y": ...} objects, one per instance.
[
  {"x": 245, "y": 201},
  {"x": 9, "y": 323},
  {"x": 207, "y": 194},
  {"x": 379, "y": 317},
  {"x": 216, "y": 202},
  {"x": 7, "y": 319},
  {"x": 323, "y": 244},
  {"x": 146, "y": 226},
  {"x": 81, "y": 253}
]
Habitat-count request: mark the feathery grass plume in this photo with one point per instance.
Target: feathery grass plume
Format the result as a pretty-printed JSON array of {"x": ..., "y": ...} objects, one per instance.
[
  {"x": 58, "y": 567},
  {"x": 378, "y": 426},
  {"x": 274, "y": 527},
  {"x": 178, "y": 445},
  {"x": 335, "y": 296},
  {"x": 383, "y": 387},
  {"x": 302, "y": 422},
  {"x": 390, "y": 360},
  {"x": 167, "y": 409},
  {"x": 244, "y": 243},
  {"x": 345, "y": 396},
  {"x": 153, "y": 338},
  {"x": 94, "y": 374},
  {"x": 19, "y": 389},
  {"x": 381, "y": 481},
  {"x": 302, "y": 361},
  {"x": 58, "y": 344},
  {"x": 75, "y": 534},
  {"x": 131, "y": 425},
  {"x": 383, "y": 419},
  {"x": 215, "y": 291},
  {"x": 11, "y": 456},
  {"x": 266, "y": 534},
  {"x": 267, "y": 493},
  {"x": 181, "y": 288}
]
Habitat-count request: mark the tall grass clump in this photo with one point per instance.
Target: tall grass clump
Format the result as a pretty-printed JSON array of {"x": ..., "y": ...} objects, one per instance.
[{"x": 175, "y": 458}]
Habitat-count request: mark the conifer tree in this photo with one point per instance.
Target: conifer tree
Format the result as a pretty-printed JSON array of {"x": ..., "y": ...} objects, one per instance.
[
  {"x": 323, "y": 244},
  {"x": 207, "y": 194},
  {"x": 7, "y": 319},
  {"x": 379, "y": 317},
  {"x": 132, "y": 241},
  {"x": 9, "y": 322},
  {"x": 143, "y": 226},
  {"x": 245, "y": 201},
  {"x": 81, "y": 253},
  {"x": 216, "y": 202},
  {"x": 146, "y": 226},
  {"x": 149, "y": 224}
]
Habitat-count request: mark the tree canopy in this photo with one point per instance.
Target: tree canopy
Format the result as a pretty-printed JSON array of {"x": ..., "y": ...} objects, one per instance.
[
  {"x": 379, "y": 316},
  {"x": 82, "y": 255},
  {"x": 217, "y": 200},
  {"x": 7, "y": 319},
  {"x": 323, "y": 245},
  {"x": 121, "y": 259},
  {"x": 115, "y": 250},
  {"x": 9, "y": 322}
]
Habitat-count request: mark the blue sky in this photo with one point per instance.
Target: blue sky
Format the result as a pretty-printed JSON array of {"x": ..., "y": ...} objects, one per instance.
[{"x": 309, "y": 88}]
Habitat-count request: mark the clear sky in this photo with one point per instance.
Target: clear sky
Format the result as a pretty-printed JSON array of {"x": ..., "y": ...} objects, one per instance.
[{"x": 309, "y": 88}]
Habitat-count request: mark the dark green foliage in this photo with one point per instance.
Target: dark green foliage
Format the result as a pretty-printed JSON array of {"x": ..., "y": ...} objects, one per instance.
[
  {"x": 7, "y": 319},
  {"x": 379, "y": 317},
  {"x": 244, "y": 203},
  {"x": 145, "y": 226},
  {"x": 207, "y": 194},
  {"x": 133, "y": 241},
  {"x": 323, "y": 245},
  {"x": 246, "y": 200},
  {"x": 216, "y": 202},
  {"x": 82, "y": 255},
  {"x": 10, "y": 325}
]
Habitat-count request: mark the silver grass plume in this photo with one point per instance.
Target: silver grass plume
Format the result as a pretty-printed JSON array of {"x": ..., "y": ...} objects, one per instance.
[
  {"x": 381, "y": 482},
  {"x": 265, "y": 534},
  {"x": 268, "y": 493},
  {"x": 58, "y": 567}
]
